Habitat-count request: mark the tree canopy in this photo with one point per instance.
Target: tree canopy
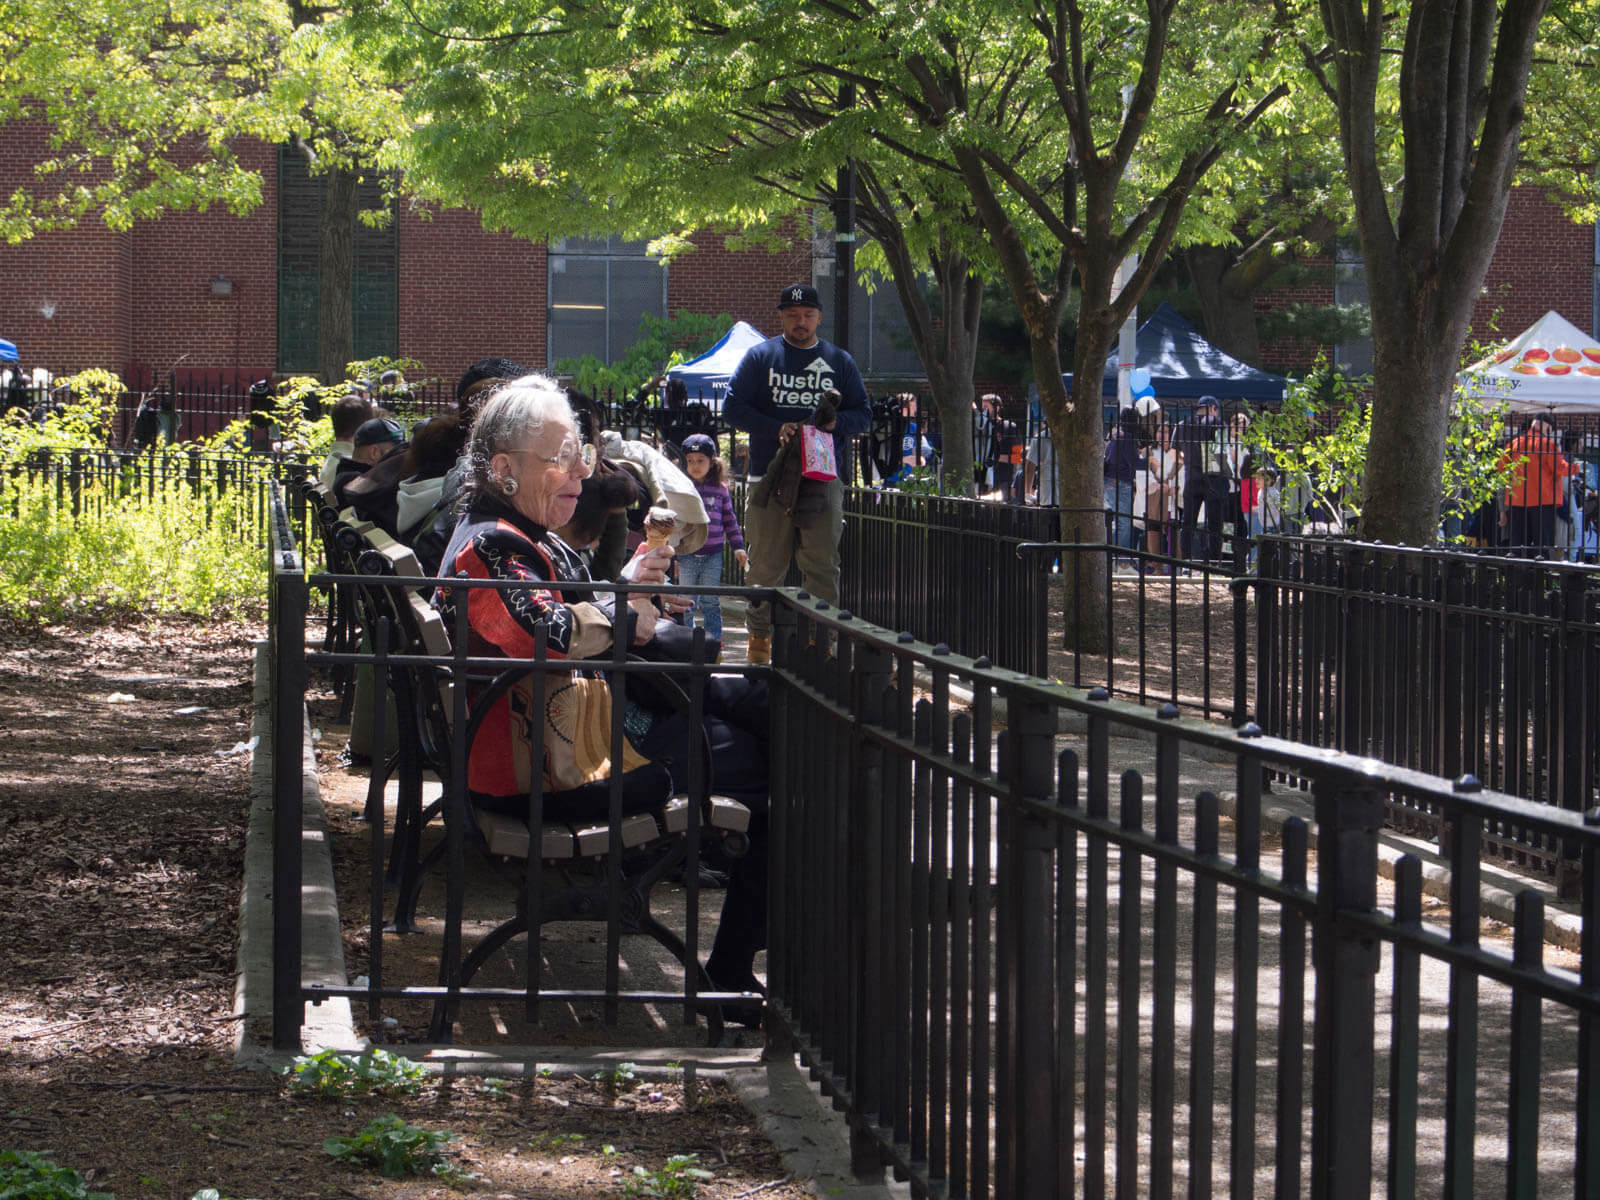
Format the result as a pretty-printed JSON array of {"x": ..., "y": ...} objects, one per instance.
[{"x": 143, "y": 103}]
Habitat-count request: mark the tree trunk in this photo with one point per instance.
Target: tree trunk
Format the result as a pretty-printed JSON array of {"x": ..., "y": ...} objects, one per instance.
[
  {"x": 949, "y": 361},
  {"x": 948, "y": 348},
  {"x": 336, "y": 275},
  {"x": 1414, "y": 373}
]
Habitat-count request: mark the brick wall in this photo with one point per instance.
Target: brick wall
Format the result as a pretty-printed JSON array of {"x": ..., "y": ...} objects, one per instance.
[
  {"x": 1544, "y": 260},
  {"x": 64, "y": 299},
  {"x": 466, "y": 293},
  {"x": 175, "y": 319},
  {"x": 745, "y": 284}
]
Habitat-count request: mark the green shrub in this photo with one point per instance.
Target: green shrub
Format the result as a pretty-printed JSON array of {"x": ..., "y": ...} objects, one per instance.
[
  {"x": 32, "y": 1175},
  {"x": 170, "y": 550},
  {"x": 680, "y": 1177},
  {"x": 374, "y": 1071},
  {"x": 398, "y": 1149}
]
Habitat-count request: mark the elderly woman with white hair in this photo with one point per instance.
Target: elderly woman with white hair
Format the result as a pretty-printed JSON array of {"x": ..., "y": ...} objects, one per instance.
[{"x": 525, "y": 467}]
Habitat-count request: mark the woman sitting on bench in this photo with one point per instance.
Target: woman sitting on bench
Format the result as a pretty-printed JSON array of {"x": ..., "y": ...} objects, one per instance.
[{"x": 525, "y": 467}]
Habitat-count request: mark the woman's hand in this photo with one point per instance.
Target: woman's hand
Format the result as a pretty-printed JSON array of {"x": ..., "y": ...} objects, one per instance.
[
  {"x": 742, "y": 558},
  {"x": 648, "y": 565},
  {"x": 645, "y": 627}
]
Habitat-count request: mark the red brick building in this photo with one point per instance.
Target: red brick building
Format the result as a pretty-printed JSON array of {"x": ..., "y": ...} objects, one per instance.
[
  {"x": 229, "y": 299},
  {"x": 204, "y": 291}
]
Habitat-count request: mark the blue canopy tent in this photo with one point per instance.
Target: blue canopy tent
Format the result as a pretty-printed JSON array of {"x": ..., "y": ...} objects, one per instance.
[
  {"x": 707, "y": 376},
  {"x": 8, "y": 352},
  {"x": 1183, "y": 365}
]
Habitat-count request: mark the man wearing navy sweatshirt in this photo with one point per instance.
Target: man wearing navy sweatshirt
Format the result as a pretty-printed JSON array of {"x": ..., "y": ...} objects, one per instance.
[{"x": 776, "y": 388}]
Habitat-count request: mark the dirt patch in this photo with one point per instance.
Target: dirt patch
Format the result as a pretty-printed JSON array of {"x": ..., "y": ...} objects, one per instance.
[{"x": 124, "y": 796}]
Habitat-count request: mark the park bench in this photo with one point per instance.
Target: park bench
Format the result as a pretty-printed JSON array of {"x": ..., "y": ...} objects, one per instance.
[
  {"x": 571, "y": 877},
  {"x": 341, "y": 545}
]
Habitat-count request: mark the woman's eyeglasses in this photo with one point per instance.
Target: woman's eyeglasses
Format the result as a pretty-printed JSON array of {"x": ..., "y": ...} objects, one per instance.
[{"x": 572, "y": 453}]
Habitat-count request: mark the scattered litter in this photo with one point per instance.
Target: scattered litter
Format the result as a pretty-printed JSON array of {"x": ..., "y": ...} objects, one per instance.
[
  {"x": 120, "y": 698},
  {"x": 391, "y": 1023},
  {"x": 239, "y": 748},
  {"x": 191, "y": 710},
  {"x": 147, "y": 749},
  {"x": 316, "y": 735},
  {"x": 360, "y": 981}
]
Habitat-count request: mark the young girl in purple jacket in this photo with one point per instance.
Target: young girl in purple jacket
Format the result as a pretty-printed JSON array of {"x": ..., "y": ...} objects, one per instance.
[{"x": 704, "y": 566}]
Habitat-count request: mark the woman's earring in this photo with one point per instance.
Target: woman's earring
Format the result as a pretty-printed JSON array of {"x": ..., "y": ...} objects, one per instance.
[{"x": 508, "y": 485}]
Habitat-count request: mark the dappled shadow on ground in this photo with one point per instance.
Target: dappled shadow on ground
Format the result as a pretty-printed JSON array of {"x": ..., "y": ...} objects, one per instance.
[
  {"x": 124, "y": 794},
  {"x": 1173, "y": 640}
]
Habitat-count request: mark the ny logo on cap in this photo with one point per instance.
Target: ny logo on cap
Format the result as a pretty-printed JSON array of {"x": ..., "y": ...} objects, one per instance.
[{"x": 797, "y": 293}]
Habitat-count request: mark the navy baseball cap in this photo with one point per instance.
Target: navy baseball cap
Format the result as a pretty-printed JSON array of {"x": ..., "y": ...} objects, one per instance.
[
  {"x": 799, "y": 295},
  {"x": 699, "y": 443},
  {"x": 378, "y": 430}
]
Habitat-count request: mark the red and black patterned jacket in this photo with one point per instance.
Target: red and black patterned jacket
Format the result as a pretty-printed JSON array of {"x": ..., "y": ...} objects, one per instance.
[{"x": 493, "y": 541}]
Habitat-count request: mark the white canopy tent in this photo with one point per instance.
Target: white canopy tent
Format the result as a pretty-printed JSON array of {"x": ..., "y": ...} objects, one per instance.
[{"x": 1552, "y": 366}]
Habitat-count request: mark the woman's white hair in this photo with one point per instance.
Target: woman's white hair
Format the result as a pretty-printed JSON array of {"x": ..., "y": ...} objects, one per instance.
[{"x": 511, "y": 418}]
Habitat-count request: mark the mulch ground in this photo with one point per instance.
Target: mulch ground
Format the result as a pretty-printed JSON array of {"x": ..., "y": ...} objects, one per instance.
[{"x": 124, "y": 796}]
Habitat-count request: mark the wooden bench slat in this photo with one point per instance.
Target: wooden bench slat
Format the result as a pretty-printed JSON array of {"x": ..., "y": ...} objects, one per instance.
[
  {"x": 726, "y": 814},
  {"x": 403, "y": 561},
  {"x": 729, "y": 814},
  {"x": 507, "y": 837}
]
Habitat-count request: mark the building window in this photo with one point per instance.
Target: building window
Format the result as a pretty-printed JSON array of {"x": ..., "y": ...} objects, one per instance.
[
  {"x": 599, "y": 288},
  {"x": 375, "y": 293},
  {"x": 1354, "y": 357}
]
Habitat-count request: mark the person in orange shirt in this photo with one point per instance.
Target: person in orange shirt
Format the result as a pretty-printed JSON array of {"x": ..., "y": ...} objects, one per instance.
[{"x": 1535, "y": 494}]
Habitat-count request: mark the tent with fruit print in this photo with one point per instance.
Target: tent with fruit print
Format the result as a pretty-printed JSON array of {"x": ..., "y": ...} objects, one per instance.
[{"x": 1551, "y": 366}]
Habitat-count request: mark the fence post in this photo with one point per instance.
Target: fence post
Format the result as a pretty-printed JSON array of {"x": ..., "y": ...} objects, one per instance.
[
  {"x": 1574, "y": 722},
  {"x": 1452, "y": 702},
  {"x": 872, "y": 988},
  {"x": 75, "y": 483},
  {"x": 1028, "y": 989},
  {"x": 287, "y": 697},
  {"x": 1349, "y": 814}
]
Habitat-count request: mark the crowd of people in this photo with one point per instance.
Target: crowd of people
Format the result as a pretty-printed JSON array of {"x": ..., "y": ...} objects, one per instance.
[{"x": 523, "y": 484}]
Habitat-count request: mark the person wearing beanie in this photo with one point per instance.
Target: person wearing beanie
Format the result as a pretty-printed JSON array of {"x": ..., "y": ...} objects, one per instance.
[{"x": 777, "y": 386}]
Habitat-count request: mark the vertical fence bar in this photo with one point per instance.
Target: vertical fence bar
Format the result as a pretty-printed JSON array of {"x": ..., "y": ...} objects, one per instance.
[
  {"x": 1349, "y": 815},
  {"x": 1130, "y": 890},
  {"x": 1035, "y": 1123},
  {"x": 287, "y": 695},
  {"x": 1066, "y": 984},
  {"x": 1522, "y": 1147},
  {"x": 1246, "y": 972},
  {"x": 868, "y": 809},
  {"x": 958, "y": 899},
  {"x": 1588, "y": 1083},
  {"x": 1291, "y": 1021},
  {"x": 1461, "y": 1052},
  {"x": 1404, "y": 1051}
]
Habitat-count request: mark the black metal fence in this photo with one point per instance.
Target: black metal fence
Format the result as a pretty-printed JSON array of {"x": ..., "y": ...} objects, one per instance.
[
  {"x": 1028, "y": 963},
  {"x": 1455, "y": 664},
  {"x": 951, "y": 570},
  {"x": 85, "y": 482}
]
